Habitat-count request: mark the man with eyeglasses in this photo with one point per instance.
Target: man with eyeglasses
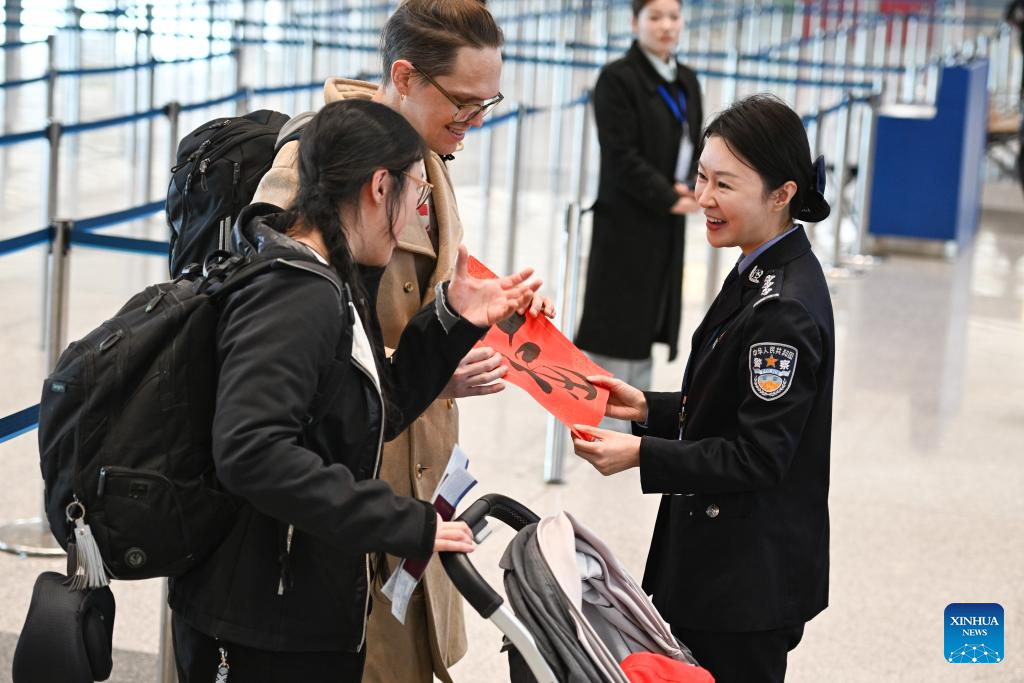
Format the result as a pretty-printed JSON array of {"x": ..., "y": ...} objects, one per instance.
[{"x": 441, "y": 71}]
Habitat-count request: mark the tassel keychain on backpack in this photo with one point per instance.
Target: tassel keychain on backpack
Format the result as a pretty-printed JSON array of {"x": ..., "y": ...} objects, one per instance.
[{"x": 89, "y": 570}]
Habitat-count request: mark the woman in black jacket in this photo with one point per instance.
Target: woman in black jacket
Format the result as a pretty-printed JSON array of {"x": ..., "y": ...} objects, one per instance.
[
  {"x": 739, "y": 559},
  {"x": 648, "y": 110},
  {"x": 303, "y": 407}
]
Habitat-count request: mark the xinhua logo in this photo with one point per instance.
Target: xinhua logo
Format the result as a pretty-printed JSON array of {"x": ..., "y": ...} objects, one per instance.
[{"x": 974, "y": 633}]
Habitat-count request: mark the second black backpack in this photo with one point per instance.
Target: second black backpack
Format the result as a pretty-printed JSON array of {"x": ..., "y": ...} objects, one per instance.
[{"x": 218, "y": 167}]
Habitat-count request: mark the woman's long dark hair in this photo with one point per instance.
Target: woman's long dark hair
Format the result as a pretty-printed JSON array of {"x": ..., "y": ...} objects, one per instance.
[{"x": 342, "y": 147}]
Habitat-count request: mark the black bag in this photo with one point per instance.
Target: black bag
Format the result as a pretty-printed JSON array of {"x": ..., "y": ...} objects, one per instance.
[
  {"x": 218, "y": 168},
  {"x": 68, "y": 634},
  {"x": 125, "y": 425}
]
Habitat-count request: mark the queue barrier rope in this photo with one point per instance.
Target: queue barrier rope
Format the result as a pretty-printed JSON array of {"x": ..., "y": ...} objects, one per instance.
[{"x": 18, "y": 423}]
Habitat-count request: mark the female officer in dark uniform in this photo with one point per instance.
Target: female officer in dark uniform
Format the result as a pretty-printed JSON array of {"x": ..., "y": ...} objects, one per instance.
[
  {"x": 739, "y": 559},
  {"x": 647, "y": 107}
]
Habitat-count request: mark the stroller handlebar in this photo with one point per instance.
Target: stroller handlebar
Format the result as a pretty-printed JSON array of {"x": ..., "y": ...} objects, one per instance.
[{"x": 478, "y": 593}]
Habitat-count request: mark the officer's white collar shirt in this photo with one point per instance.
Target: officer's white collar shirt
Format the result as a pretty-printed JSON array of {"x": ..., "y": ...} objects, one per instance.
[{"x": 666, "y": 70}]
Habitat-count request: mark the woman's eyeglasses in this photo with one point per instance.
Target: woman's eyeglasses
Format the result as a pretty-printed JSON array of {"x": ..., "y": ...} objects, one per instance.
[
  {"x": 464, "y": 112},
  {"x": 425, "y": 188}
]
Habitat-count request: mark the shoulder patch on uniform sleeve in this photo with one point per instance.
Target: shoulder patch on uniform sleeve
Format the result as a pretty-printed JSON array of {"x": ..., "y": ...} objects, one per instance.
[{"x": 772, "y": 367}]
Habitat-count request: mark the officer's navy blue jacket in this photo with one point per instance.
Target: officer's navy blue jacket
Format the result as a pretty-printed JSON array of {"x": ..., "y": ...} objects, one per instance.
[{"x": 742, "y": 454}]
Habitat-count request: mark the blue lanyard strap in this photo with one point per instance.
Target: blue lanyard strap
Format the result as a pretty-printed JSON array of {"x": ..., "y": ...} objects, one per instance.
[{"x": 677, "y": 106}]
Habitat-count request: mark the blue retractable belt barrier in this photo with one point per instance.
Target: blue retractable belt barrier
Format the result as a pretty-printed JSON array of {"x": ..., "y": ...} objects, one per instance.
[
  {"x": 280, "y": 89},
  {"x": 230, "y": 97},
  {"x": 18, "y": 423},
  {"x": 17, "y": 138},
  {"x": 76, "y": 128},
  {"x": 16, "y": 44},
  {"x": 118, "y": 217},
  {"x": 347, "y": 46},
  {"x": 23, "y": 81},
  {"x": 20, "y": 242},
  {"x": 128, "y": 244}
]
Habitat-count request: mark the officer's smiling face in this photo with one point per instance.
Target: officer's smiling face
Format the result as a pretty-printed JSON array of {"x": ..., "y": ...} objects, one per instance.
[{"x": 739, "y": 210}]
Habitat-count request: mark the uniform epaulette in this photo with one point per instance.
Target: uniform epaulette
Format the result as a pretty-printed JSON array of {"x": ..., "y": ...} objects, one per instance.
[{"x": 771, "y": 286}]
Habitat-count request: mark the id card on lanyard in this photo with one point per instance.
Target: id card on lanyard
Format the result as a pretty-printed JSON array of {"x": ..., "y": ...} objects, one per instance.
[{"x": 677, "y": 106}]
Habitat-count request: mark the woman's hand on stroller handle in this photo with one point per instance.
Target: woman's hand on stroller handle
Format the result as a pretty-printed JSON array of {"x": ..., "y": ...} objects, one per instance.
[{"x": 453, "y": 537}]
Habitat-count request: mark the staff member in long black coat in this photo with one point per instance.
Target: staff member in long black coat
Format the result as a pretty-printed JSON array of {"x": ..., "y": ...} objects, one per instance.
[
  {"x": 648, "y": 111},
  {"x": 739, "y": 559}
]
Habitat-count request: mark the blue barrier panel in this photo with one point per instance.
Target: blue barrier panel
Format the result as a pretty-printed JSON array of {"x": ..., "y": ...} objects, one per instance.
[
  {"x": 118, "y": 217},
  {"x": 20, "y": 242},
  {"x": 17, "y": 138},
  {"x": 128, "y": 244},
  {"x": 927, "y": 169},
  {"x": 18, "y": 423}
]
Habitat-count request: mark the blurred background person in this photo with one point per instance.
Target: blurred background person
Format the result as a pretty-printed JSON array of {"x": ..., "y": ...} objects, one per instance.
[{"x": 648, "y": 110}]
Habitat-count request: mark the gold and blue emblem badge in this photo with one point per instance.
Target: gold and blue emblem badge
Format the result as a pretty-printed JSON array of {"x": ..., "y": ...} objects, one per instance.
[{"x": 771, "y": 369}]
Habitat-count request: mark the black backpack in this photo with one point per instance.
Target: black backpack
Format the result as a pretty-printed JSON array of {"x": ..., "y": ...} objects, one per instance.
[
  {"x": 218, "y": 168},
  {"x": 125, "y": 427}
]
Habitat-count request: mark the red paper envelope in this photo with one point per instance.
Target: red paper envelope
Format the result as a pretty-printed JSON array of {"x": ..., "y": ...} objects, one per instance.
[{"x": 546, "y": 364}]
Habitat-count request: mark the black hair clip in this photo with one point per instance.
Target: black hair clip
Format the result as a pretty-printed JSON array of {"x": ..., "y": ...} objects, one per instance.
[
  {"x": 815, "y": 207},
  {"x": 819, "y": 173}
]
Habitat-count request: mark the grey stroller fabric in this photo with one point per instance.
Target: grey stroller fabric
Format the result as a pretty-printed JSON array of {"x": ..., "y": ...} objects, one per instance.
[
  {"x": 584, "y": 610},
  {"x": 611, "y": 600},
  {"x": 540, "y": 605}
]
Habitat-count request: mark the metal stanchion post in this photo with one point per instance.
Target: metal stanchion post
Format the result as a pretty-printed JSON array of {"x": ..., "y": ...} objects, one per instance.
[
  {"x": 842, "y": 141},
  {"x": 32, "y": 536},
  {"x": 865, "y": 169},
  {"x": 514, "y": 151},
  {"x": 711, "y": 282},
  {"x": 49, "y": 209},
  {"x": 559, "y": 87},
  {"x": 554, "y": 446},
  {"x": 209, "y": 49},
  {"x": 581, "y": 151},
  {"x": 486, "y": 176},
  {"x": 165, "y": 670},
  {"x": 896, "y": 38},
  {"x": 53, "y": 136},
  {"x": 147, "y": 183},
  {"x": 51, "y": 77},
  {"x": 239, "y": 33},
  {"x": 878, "y": 57},
  {"x": 173, "y": 112},
  {"x": 314, "y": 52}
]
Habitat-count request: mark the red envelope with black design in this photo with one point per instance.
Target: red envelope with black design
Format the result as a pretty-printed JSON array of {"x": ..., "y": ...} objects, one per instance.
[{"x": 543, "y": 362}]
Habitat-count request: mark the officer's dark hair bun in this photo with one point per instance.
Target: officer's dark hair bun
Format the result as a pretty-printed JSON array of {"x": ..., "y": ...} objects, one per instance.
[
  {"x": 770, "y": 138},
  {"x": 815, "y": 207}
]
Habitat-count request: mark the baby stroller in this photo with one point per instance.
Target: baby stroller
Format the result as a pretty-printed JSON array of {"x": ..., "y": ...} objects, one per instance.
[{"x": 576, "y": 614}]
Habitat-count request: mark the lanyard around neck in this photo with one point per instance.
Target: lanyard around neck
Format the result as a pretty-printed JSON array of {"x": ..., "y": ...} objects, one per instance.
[{"x": 677, "y": 106}]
